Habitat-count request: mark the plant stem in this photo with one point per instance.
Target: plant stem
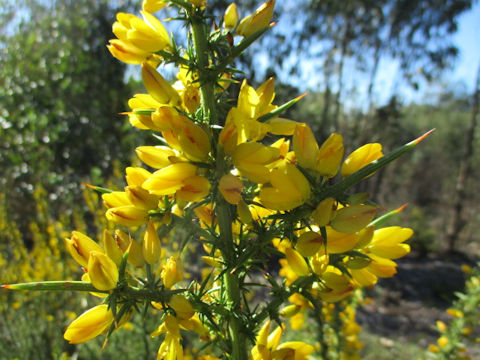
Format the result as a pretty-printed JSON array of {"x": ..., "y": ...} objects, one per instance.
[{"x": 208, "y": 79}]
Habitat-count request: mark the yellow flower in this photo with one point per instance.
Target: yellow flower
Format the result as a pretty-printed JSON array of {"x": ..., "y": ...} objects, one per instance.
[
  {"x": 330, "y": 155},
  {"x": 156, "y": 157},
  {"x": 251, "y": 159},
  {"x": 388, "y": 242},
  {"x": 339, "y": 242},
  {"x": 289, "y": 189},
  {"x": 297, "y": 262},
  {"x": 231, "y": 17},
  {"x": 361, "y": 157},
  {"x": 135, "y": 253},
  {"x": 80, "y": 246},
  {"x": 168, "y": 180},
  {"x": 136, "y": 175},
  {"x": 102, "y": 271},
  {"x": 443, "y": 341},
  {"x": 231, "y": 188},
  {"x": 305, "y": 146},
  {"x": 195, "y": 188},
  {"x": 158, "y": 87},
  {"x": 148, "y": 34},
  {"x": 128, "y": 215},
  {"x": 258, "y": 20},
  {"x": 354, "y": 218},
  {"x": 172, "y": 272},
  {"x": 90, "y": 324},
  {"x": 323, "y": 212},
  {"x": 111, "y": 248},
  {"x": 309, "y": 243},
  {"x": 182, "y": 307},
  {"x": 153, "y": 6},
  {"x": 151, "y": 245},
  {"x": 127, "y": 52}
]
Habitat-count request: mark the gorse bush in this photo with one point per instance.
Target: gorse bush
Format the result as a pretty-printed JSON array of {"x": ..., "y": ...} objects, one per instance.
[{"x": 271, "y": 208}]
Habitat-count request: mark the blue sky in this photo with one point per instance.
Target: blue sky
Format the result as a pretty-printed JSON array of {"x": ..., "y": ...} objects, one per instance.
[{"x": 468, "y": 41}]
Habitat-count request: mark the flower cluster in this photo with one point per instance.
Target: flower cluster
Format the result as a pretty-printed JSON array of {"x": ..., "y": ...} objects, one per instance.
[{"x": 249, "y": 185}]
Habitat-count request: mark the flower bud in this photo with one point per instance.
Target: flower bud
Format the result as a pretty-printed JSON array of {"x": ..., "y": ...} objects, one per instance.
[
  {"x": 158, "y": 87},
  {"x": 156, "y": 157},
  {"x": 305, "y": 146},
  {"x": 330, "y": 155},
  {"x": 128, "y": 215},
  {"x": 172, "y": 272},
  {"x": 135, "y": 254},
  {"x": 297, "y": 262},
  {"x": 231, "y": 17},
  {"x": 90, "y": 324},
  {"x": 360, "y": 158},
  {"x": 258, "y": 20},
  {"x": 102, "y": 271},
  {"x": 111, "y": 248},
  {"x": 80, "y": 246},
  {"x": 151, "y": 246},
  {"x": 153, "y": 6}
]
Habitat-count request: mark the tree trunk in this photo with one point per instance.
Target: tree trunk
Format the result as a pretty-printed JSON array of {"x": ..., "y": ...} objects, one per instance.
[{"x": 464, "y": 173}]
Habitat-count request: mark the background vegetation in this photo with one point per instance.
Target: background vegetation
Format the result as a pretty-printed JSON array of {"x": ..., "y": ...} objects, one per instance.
[{"x": 61, "y": 92}]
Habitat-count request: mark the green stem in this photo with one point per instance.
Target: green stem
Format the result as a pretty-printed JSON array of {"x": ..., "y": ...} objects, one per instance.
[{"x": 208, "y": 79}]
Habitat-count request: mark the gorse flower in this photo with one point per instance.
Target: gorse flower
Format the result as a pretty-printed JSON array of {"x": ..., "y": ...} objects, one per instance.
[{"x": 248, "y": 185}]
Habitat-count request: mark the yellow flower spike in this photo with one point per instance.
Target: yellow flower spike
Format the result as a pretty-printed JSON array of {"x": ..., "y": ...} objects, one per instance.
[
  {"x": 338, "y": 242},
  {"x": 330, "y": 155},
  {"x": 136, "y": 175},
  {"x": 169, "y": 179},
  {"x": 148, "y": 34},
  {"x": 289, "y": 189},
  {"x": 127, "y": 52},
  {"x": 128, "y": 215},
  {"x": 250, "y": 159},
  {"x": 231, "y": 17},
  {"x": 79, "y": 246},
  {"x": 151, "y": 246},
  {"x": 182, "y": 307},
  {"x": 172, "y": 272},
  {"x": 388, "y": 242},
  {"x": 102, "y": 271},
  {"x": 231, "y": 188},
  {"x": 111, "y": 248},
  {"x": 309, "y": 243},
  {"x": 141, "y": 198},
  {"x": 353, "y": 218},
  {"x": 153, "y": 6},
  {"x": 258, "y": 20},
  {"x": 115, "y": 199},
  {"x": 305, "y": 146},
  {"x": 195, "y": 188},
  {"x": 323, "y": 212},
  {"x": 89, "y": 325},
  {"x": 156, "y": 157},
  {"x": 297, "y": 262},
  {"x": 361, "y": 157},
  {"x": 158, "y": 87},
  {"x": 125, "y": 242}
]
